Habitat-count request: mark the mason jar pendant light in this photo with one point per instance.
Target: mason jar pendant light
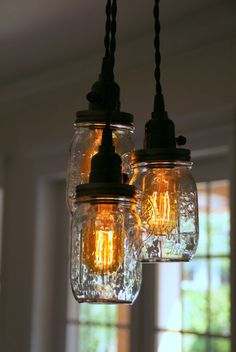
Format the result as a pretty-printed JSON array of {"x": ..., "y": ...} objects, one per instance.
[
  {"x": 168, "y": 196},
  {"x": 106, "y": 233},
  {"x": 90, "y": 123}
]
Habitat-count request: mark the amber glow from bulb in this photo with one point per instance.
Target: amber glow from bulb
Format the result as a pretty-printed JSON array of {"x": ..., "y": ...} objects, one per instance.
[
  {"x": 159, "y": 202},
  {"x": 103, "y": 240}
]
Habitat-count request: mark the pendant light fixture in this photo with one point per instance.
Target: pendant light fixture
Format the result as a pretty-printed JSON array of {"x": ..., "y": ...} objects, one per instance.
[
  {"x": 106, "y": 233},
  {"x": 168, "y": 195},
  {"x": 90, "y": 123}
]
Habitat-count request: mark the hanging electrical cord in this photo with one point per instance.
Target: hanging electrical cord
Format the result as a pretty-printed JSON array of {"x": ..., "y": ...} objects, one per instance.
[
  {"x": 162, "y": 176},
  {"x": 103, "y": 246},
  {"x": 106, "y": 164},
  {"x": 159, "y": 105},
  {"x": 113, "y": 33},
  {"x": 107, "y": 73},
  {"x": 103, "y": 109},
  {"x": 160, "y": 130},
  {"x": 105, "y": 93},
  {"x": 107, "y": 29}
]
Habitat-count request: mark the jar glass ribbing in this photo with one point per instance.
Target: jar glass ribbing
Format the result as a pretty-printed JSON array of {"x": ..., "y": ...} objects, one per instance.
[
  {"x": 105, "y": 248},
  {"x": 85, "y": 143},
  {"x": 168, "y": 209}
]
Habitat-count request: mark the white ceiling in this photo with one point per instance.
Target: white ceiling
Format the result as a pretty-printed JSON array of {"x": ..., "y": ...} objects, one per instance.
[{"x": 36, "y": 35}]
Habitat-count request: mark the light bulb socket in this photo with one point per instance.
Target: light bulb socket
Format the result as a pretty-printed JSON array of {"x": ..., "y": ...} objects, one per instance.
[
  {"x": 104, "y": 96},
  {"x": 106, "y": 166},
  {"x": 160, "y": 140},
  {"x": 103, "y": 189},
  {"x": 160, "y": 132}
]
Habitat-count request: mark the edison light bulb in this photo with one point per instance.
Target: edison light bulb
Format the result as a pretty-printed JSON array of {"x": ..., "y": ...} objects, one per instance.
[
  {"x": 103, "y": 240},
  {"x": 168, "y": 210},
  {"x": 159, "y": 202},
  {"x": 105, "y": 247}
]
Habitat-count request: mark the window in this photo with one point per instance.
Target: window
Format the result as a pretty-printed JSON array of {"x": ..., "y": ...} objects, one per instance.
[
  {"x": 97, "y": 328},
  {"x": 193, "y": 305},
  {"x": 192, "y": 299}
]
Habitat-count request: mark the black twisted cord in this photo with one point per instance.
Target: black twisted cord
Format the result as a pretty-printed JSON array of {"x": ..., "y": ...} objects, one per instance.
[
  {"x": 110, "y": 41},
  {"x": 106, "y": 94},
  {"x": 159, "y": 100},
  {"x": 157, "y": 28},
  {"x": 113, "y": 33},
  {"x": 107, "y": 29},
  {"x": 112, "y": 12}
]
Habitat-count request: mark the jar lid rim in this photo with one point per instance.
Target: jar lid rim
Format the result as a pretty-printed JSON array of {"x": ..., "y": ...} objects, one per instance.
[
  {"x": 160, "y": 154},
  {"x": 105, "y": 190},
  {"x": 100, "y": 116}
]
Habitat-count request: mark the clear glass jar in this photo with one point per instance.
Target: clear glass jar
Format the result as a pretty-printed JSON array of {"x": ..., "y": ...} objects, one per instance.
[
  {"x": 85, "y": 143},
  {"x": 105, "y": 247},
  {"x": 168, "y": 209}
]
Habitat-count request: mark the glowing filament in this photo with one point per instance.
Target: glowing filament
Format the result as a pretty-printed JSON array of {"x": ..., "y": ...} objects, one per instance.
[
  {"x": 104, "y": 249},
  {"x": 159, "y": 203},
  {"x": 103, "y": 240}
]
